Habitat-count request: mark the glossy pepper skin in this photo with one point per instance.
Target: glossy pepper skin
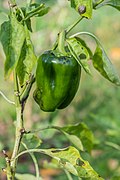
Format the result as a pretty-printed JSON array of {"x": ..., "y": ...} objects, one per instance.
[{"x": 57, "y": 80}]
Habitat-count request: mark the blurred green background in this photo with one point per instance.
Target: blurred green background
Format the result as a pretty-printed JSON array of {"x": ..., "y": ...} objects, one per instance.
[{"x": 97, "y": 103}]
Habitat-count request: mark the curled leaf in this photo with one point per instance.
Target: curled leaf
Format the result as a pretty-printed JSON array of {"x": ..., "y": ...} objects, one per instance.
[
  {"x": 80, "y": 52},
  {"x": 38, "y": 10},
  {"x": 102, "y": 63}
]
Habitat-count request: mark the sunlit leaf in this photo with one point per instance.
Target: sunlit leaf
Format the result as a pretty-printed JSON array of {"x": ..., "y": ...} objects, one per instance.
[
  {"x": 12, "y": 36},
  {"x": 102, "y": 63},
  {"x": 80, "y": 52},
  {"x": 70, "y": 159},
  {"x": 83, "y": 7}
]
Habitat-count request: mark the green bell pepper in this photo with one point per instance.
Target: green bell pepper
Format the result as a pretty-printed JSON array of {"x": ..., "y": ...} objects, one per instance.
[{"x": 57, "y": 80}]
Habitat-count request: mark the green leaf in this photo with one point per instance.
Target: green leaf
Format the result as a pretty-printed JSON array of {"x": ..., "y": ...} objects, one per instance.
[
  {"x": 38, "y": 10},
  {"x": 80, "y": 135},
  {"x": 19, "y": 16},
  {"x": 80, "y": 52},
  {"x": 75, "y": 140},
  {"x": 102, "y": 63},
  {"x": 72, "y": 137},
  {"x": 83, "y": 7},
  {"x": 43, "y": 11},
  {"x": 31, "y": 141},
  {"x": 114, "y": 3},
  {"x": 87, "y": 172},
  {"x": 25, "y": 176},
  {"x": 26, "y": 61},
  {"x": 12, "y": 36},
  {"x": 69, "y": 159}
]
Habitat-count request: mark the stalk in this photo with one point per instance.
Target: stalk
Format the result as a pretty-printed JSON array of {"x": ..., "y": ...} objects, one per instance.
[
  {"x": 61, "y": 43},
  {"x": 18, "y": 136},
  {"x": 19, "y": 124},
  {"x": 73, "y": 25},
  {"x": 20, "y": 130}
]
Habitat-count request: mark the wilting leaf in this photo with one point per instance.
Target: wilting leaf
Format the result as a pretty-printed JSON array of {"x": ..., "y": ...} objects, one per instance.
[
  {"x": 102, "y": 63},
  {"x": 70, "y": 159}
]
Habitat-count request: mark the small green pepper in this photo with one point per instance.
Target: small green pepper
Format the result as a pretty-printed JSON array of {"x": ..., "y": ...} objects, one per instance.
[{"x": 57, "y": 80}]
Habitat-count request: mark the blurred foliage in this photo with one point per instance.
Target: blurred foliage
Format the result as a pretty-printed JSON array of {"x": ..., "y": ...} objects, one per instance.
[{"x": 97, "y": 102}]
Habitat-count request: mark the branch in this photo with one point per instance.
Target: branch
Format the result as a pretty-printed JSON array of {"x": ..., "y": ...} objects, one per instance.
[
  {"x": 9, "y": 101},
  {"x": 34, "y": 160}
]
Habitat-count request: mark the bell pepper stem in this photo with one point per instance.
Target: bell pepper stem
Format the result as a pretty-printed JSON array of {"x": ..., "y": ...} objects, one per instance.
[{"x": 61, "y": 42}]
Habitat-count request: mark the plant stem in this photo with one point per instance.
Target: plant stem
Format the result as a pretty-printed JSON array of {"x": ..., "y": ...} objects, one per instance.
[
  {"x": 9, "y": 101},
  {"x": 73, "y": 25},
  {"x": 68, "y": 174},
  {"x": 88, "y": 33},
  {"x": 61, "y": 42},
  {"x": 67, "y": 30},
  {"x": 19, "y": 103},
  {"x": 18, "y": 136},
  {"x": 35, "y": 162},
  {"x": 8, "y": 169},
  {"x": 19, "y": 124}
]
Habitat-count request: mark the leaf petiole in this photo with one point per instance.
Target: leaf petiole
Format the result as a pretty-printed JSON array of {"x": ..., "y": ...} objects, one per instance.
[
  {"x": 73, "y": 25},
  {"x": 87, "y": 33},
  {"x": 9, "y": 101},
  {"x": 34, "y": 161}
]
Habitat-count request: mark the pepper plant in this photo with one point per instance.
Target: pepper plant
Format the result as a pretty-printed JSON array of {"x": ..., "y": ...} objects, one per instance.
[{"x": 56, "y": 74}]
